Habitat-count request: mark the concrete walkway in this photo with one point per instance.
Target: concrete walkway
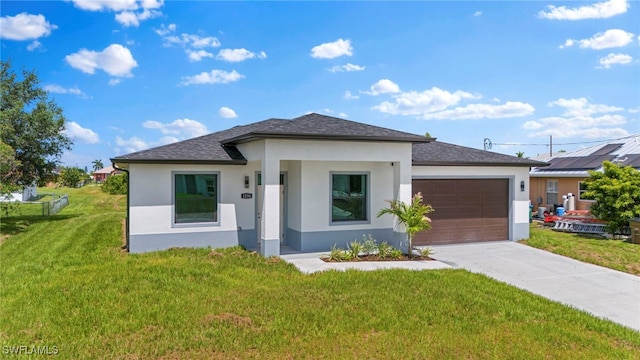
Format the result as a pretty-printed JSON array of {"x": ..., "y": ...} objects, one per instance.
[
  {"x": 603, "y": 292},
  {"x": 310, "y": 262}
]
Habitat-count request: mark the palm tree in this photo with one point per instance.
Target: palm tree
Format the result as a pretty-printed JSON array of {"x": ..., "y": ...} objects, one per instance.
[
  {"x": 413, "y": 216},
  {"x": 520, "y": 154},
  {"x": 97, "y": 164}
]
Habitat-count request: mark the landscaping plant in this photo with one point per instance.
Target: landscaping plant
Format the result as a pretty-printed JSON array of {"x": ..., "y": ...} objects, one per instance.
[
  {"x": 413, "y": 216},
  {"x": 616, "y": 191}
]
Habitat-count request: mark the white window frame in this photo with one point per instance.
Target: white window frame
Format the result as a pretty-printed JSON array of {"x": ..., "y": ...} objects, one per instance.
[
  {"x": 554, "y": 190},
  {"x": 580, "y": 191},
  {"x": 173, "y": 199}
]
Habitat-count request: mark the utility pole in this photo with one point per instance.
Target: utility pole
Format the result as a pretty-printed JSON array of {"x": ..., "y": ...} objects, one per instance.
[{"x": 550, "y": 145}]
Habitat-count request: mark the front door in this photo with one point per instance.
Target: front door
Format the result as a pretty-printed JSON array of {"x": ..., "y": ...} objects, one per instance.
[{"x": 259, "y": 197}]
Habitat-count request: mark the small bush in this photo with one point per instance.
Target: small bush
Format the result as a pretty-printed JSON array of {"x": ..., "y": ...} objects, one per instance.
[
  {"x": 425, "y": 252},
  {"x": 355, "y": 248},
  {"x": 115, "y": 184},
  {"x": 395, "y": 253},
  {"x": 336, "y": 254},
  {"x": 369, "y": 244},
  {"x": 384, "y": 249}
]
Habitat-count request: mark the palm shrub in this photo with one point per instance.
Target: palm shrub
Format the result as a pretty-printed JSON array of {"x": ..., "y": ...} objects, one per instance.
[{"x": 413, "y": 216}]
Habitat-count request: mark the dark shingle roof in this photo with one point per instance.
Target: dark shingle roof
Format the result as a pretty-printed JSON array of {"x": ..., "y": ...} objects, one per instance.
[
  {"x": 219, "y": 147},
  {"x": 444, "y": 154},
  {"x": 316, "y": 126},
  {"x": 203, "y": 149}
]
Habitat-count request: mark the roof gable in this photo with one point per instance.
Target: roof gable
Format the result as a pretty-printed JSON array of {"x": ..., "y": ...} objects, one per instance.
[{"x": 322, "y": 127}]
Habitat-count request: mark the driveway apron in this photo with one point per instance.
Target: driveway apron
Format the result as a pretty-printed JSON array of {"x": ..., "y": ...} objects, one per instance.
[{"x": 603, "y": 292}]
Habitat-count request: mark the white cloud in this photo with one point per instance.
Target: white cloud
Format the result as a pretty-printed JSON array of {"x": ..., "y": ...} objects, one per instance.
[
  {"x": 115, "y": 60},
  {"x": 114, "y": 81},
  {"x": 212, "y": 77},
  {"x": 383, "y": 86},
  {"x": 57, "y": 89},
  {"x": 131, "y": 18},
  {"x": 227, "y": 113},
  {"x": 34, "y": 45},
  {"x": 421, "y": 103},
  {"x": 191, "y": 41},
  {"x": 599, "y": 10},
  {"x": 166, "y": 30},
  {"x": 131, "y": 145},
  {"x": 194, "y": 45},
  {"x": 237, "y": 55},
  {"x": 75, "y": 131},
  {"x": 484, "y": 111},
  {"x": 609, "y": 39},
  {"x": 582, "y": 107},
  {"x": 197, "y": 55},
  {"x": 612, "y": 59},
  {"x": 25, "y": 27},
  {"x": 567, "y": 44},
  {"x": 332, "y": 50},
  {"x": 477, "y": 13},
  {"x": 579, "y": 119},
  {"x": 580, "y": 126},
  {"x": 152, "y": 4},
  {"x": 180, "y": 128},
  {"x": 347, "y": 67},
  {"x": 100, "y": 5},
  {"x": 343, "y": 115},
  {"x": 349, "y": 96},
  {"x": 125, "y": 9}
]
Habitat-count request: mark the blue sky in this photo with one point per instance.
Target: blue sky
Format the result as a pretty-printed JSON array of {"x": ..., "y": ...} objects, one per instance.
[{"x": 135, "y": 74}]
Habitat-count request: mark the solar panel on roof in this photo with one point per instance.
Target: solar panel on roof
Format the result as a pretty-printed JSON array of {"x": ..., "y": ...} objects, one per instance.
[
  {"x": 594, "y": 161},
  {"x": 605, "y": 150},
  {"x": 560, "y": 163},
  {"x": 631, "y": 160},
  {"x": 577, "y": 163}
]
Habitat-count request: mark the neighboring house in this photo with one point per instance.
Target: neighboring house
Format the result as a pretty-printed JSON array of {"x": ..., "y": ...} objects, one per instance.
[
  {"x": 315, "y": 181},
  {"x": 27, "y": 193},
  {"x": 102, "y": 174},
  {"x": 568, "y": 170}
]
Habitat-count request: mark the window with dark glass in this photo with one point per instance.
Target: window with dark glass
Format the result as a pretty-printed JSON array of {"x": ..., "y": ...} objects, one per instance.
[
  {"x": 582, "y": 188},
  {"x": 349, "y": 197},
  {"x": 196, "y": 198}
]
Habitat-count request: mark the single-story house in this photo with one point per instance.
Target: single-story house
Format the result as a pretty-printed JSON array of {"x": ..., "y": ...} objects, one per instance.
[
  {"x": 315, "y": 181},
  {"x": 568, "y": 170},
  {"x": 102, "y": 174}
]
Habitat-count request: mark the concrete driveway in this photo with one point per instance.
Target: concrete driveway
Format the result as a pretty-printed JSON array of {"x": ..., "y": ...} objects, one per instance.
[{"x": 603, "y": 292}]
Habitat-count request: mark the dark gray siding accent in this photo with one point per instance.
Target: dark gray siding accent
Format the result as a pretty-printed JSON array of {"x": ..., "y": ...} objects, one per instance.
[{"x": 154, "y": 242}]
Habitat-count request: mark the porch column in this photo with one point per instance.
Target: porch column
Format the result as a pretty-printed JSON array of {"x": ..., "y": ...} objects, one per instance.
[
  {"x": 270, "y": 221},
  {"x": 402, "y": 191}
]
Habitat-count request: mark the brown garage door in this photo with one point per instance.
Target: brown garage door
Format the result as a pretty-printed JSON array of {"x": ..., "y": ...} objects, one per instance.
[{"x": 466, "y": 210}]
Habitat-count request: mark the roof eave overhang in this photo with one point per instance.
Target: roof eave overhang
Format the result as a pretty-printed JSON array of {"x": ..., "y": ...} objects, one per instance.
[
  {"x": 466, "y": 163},
  {"x": 557, "y": 175},
  {"x": 178, "y": 161},
  {"x": 258, "y": 136}
]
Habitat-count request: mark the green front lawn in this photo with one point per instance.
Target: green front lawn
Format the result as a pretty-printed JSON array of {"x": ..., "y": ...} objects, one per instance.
[
  {"x": 614, "y": 254},
  {"x": 66, "y": 283}
]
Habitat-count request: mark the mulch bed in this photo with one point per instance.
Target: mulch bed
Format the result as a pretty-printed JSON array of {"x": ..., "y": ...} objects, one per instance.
[{"x": 404, "y": 257}]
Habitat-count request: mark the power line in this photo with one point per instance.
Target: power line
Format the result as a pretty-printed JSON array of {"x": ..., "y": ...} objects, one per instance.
[{"x": 571, "y": 143}]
